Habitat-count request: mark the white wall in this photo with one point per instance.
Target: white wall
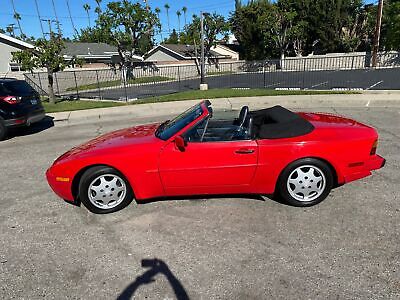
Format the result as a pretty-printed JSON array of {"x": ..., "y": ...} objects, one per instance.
[{"x": 6, "y": 57}]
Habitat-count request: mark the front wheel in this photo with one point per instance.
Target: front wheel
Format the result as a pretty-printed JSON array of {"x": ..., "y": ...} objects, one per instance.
[
  {"x": 104, "y": 190},
  {"x": 305, "y": 182}
]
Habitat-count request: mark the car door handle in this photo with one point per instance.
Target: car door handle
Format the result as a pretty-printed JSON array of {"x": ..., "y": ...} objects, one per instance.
[{"x": 244, "y": 151}]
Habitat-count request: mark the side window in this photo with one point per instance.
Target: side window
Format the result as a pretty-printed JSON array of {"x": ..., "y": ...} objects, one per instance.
[
  {"x": 196, "y": 133},
  {"x": 206, "y": 131}
]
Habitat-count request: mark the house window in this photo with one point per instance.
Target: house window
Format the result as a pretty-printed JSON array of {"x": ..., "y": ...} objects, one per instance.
[{"x": 14, "y": 67}]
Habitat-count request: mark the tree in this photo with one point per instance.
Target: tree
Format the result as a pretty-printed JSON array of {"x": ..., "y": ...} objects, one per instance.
[
  {"x": 166, "y": 6},
  {"x": 332, "y": 26},
  {"x": 215, "y": 25},
  {"x": 391, "y": 25},
  {"x": 173, "y": 38},
  {"x": 281, "y": 31},
  {"x": 130, "y": 27},
  {"x": 184, "y": 9},
  {"x": 266, "y": 29},
  {"x": 97, "y": 10},
  {"x": 17, "y": 17},
  {"x": 46, "y": 54},
  {"x": 178, "y": 13},
  {"x": 157, "y": 10},
  {"x": 87, "y": 7},
  {"x": 247, "y": 25}
]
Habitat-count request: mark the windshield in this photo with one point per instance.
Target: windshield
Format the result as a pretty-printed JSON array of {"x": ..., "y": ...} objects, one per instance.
[
  {"x": 16, "y": 88},
  {"x": 171, "y": 127}
]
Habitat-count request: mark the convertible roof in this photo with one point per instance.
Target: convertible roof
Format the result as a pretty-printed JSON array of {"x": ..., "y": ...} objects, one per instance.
[{"x": 278, "y": 122}]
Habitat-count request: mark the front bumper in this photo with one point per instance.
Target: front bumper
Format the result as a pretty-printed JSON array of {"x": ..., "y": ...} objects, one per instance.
[
  {"x": 29, "y": 119},
  {"x": 375, "y": 162},
  {"x": 61, "y": 187}
]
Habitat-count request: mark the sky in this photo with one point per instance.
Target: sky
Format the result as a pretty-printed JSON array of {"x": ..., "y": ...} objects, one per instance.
[{"x": 31, "y": 26}]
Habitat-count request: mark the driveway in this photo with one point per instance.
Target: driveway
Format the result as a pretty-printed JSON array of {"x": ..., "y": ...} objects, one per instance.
[{"x": 207, "y": 248}]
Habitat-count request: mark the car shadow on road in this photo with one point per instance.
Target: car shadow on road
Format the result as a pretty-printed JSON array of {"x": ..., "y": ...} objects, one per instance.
[
  {"x": 257, "y": 197},
  {"x": 203, "y": 198},
  {"x": 43, "y": 125},
  {"x": 157, "y": 266}
]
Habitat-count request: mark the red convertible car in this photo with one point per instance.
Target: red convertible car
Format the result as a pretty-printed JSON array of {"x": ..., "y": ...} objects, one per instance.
[{"x": 298, "y": 157}]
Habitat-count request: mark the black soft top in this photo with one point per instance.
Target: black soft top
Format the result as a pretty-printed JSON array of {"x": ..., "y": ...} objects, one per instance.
[{"x": 278, "y": 122}]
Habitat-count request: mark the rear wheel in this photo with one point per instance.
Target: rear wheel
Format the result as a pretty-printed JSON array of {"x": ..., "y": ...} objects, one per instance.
[
  {"x": 104, "y": 190},
  {"x": 305, "y": 182},
  {"x": 3, "y": 129}
]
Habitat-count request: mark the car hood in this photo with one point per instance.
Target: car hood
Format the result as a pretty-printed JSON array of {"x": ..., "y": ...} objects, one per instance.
[{"x": 137, "y": 135}]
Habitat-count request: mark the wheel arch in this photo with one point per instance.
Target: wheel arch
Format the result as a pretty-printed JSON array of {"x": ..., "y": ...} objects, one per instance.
[
  {"x": 335, "y": 173},
  {"x": 78, "y": 176}
]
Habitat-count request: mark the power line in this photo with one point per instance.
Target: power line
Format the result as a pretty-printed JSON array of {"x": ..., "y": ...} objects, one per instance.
[
  {"x": 40, "y": 18},
  {"x": 55, "y": 13}
]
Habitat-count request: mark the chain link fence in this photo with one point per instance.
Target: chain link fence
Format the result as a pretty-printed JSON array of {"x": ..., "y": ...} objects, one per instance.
[{"x": 311, "y": 72}]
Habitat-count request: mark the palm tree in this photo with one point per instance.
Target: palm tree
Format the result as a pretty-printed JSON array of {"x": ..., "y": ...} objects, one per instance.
[
  {"x": 157, "y": 11},
  {"x": 167, "y": 8},
  {"x": 98, "y": 8},
  {"x": 70, "y": 17},
  {"x": 178, "y": 13},
  {"x": 86, "y": 7},
  {"x": 17, "y": 18},
  {"x": 184, "y": 9}
]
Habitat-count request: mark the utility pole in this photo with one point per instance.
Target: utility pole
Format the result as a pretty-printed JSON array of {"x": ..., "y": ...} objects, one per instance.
[
  {"x": 55, "y": 14},
  {"x": 49, "y": 24},
  {"x": 377, "y": 36},
  {"x": 11, "y": 29},
  {"x": 203, "y": 84}
]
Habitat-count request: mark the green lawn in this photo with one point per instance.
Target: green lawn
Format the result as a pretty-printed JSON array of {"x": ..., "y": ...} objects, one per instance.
[
  {"x": 224, "y": 93},
  {"x": 103, "y": 84},
  {"x": 187, "y": 95},
  {"x": 77, "y": 105}
]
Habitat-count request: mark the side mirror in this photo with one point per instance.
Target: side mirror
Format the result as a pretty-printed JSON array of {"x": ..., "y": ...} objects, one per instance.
[{"x": 180, "y": 143}]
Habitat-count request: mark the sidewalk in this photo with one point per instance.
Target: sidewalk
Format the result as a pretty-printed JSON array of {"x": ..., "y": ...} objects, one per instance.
[{"x": 367, "y": 99}]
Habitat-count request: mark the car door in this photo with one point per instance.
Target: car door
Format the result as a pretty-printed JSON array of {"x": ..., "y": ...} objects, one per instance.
[{"x": 210, "y": 164}]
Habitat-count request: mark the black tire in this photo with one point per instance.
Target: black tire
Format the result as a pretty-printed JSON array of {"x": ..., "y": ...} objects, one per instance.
[
  {"x": 3, "y": 129},
  {"x": 89, "y": 178},
  {"x": 315, "y": 189}
]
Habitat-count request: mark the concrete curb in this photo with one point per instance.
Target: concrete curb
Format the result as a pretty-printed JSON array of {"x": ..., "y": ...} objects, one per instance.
[{"x": 228, "y": 104}]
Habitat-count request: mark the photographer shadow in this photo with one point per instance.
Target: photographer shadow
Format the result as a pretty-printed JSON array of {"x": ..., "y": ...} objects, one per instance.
[{"x": 156, "y": 266}]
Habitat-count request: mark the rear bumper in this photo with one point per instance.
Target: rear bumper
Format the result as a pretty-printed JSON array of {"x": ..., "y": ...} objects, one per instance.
[
  {"x": 29, "y": 119},
  {"x": 375, "y": 162}
]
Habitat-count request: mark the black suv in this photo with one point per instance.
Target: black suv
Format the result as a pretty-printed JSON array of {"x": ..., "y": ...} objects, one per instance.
[{"x": 19, "y": 105}]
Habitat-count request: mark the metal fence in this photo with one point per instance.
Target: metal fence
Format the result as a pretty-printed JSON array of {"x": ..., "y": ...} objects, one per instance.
[{"x": 315, "y": 72}]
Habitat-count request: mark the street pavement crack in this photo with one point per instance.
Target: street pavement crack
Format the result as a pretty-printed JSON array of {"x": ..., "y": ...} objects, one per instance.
[{"x": 99, "y": 130}]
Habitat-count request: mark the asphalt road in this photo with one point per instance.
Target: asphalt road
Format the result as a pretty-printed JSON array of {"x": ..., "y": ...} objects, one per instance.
[
  {"x": 369, "y": 79},
  {"x": 213, "y": 248}
]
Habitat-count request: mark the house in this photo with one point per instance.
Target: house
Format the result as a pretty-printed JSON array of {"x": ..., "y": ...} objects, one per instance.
[
  {"x": 94, "y": 55},
  {"x": 8, "y": 45},
  {"x": 178, "y": 54}
]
